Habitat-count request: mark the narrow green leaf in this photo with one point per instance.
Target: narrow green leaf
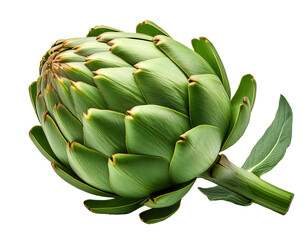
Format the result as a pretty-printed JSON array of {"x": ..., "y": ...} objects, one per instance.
[
  {"x": 62, "y": 86},
  {"x": 104, "y": 131},
  {"x": 55, "y": 138},
  {"x": 51, "y": 99},
  {"x": 119, "y": 88},
  {"x": 163, "y": 83},
  {"x": 113, "y": 206},
  {"x": 97, "y": 30},
  {"x": 272, "y": 146},
  {"x": 71, "y": 178},
  {"x": 105, "y": 60},
  {"x": 91, "y": 166},
  {"x": 40, "y": 107},
  {"x": 69, "y": 56},
  {"x": 207, "y": 50},
  {"x": 89, "y": 48},
  {"x": 238, "y": 127},
  {"x": 208, "y": 102},
  {"x": 189, "y": 61},
  {"x": 108, "y": 36},
  {"x": 195, "y": 152},
  {"x": 76, "y": 71},
  {"x": 247, "y": 88},
  {"x": 86, "y": 96},
  {"x": 69, "y": 125},
  {"x": 241, "y": 106},
  {"x": 33, "y": 94},
  {"x": 150, "y": 28},
  {"x": 134, "y": 51},
  {"x": 137, "y": 176},
  {"x": 156, "y": 127},
  {"x": 220, "y": 193},
  {"x": 73, "y": 42},
  {"x": 38, "y": 137},
  {"x": 169, "y": 196},
  {"x": 156, "y": 215}
]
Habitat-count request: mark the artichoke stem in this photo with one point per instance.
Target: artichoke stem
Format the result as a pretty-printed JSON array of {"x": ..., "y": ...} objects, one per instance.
[{"x": 245, "y": 183}]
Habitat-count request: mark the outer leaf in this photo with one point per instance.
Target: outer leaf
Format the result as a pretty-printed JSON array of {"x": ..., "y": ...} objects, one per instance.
[
  {"x": 119, "y": 88},
  {"x": 69, "y": 56},
  {"x": 38, "y": 137},
  {"x": 108, "y": 36},
  {"x": 91, "y": 166},
  {"x": 150, "y": 28},
  {"x": 241, "y": 105},
  {"x": 33, "y": 94},
  {"x": 238, "y": 127},
  {"x": 86, "y": 96},
  {"x": 141, "y": 174},
  {"x": 51, "y": 99},
  {"x": 69, "y": 125},
  {"x": 55, "y": 138},
  {"x": 195, "y": 152},
  {"x": 134, "y": 51},
  {"x": 76, "y": 71},
  {"x": 157, "y": 128},
  {"x": 220, "y": 193},
  {"x": 247, "y": 88},
  {"x": 169, "y": 196},
  {"x": 113, "y": 206},
  {"x": 272, "y": 146},
  {"x": 63, "y": 89},
  {"x": 207, "y": 50},
  {"x": 156, "y": 215},
  {"x": 189, "y": 61},
  {"x": 74, "y": 180},
  {"x": 208, "y": 102},
  {"x": 163, "y": 83},
  {"x": 104, "y": 131},
  {"x": 40, "y": 107},
  {"x": 73, "y": 42},
  {"x": 104, "y": 60},
  {"x": 89, "y": 48},
  {"x": 97, "y": 30}
]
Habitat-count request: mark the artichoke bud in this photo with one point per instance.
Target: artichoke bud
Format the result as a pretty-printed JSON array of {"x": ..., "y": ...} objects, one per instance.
[{"x": 131, "y": 114}]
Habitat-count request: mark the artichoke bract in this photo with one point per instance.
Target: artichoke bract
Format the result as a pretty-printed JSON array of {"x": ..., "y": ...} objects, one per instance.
[{"x": 137, "y": 117}]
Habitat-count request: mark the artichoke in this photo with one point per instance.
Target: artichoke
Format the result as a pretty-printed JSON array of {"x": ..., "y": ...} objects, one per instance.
[{"x": 137, "y": 117}]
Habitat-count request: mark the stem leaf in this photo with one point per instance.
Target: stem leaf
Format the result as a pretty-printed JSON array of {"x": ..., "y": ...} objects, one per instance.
[
  {"x": 272, "y": 146},
  {"x": 220, "y": 193}
]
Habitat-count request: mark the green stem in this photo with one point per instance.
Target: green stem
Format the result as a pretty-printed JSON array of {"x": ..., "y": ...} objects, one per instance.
[{"x": 242, "y": 182}]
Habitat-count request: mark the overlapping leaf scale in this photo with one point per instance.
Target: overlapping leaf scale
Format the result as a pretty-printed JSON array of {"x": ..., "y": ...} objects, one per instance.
[
  {"x": 119, "y": 88},
  {"x": 163, "y": 83},
  {"x": 135, "y": 50},
  {"x": 189, "y": 61},
  {"x": 86, "y": 96},
  {"x": 104, "y": 131},
  {"x": 208, "y": 102},
  {"x": 91, "y": 166},
  {"x": 105, "y": 60},
  {"x": 195, "y": 152},
  {"x": 169, "y": 196},
  {"x": 141, "y": 174},
  {"x": 154, "y": 130}
]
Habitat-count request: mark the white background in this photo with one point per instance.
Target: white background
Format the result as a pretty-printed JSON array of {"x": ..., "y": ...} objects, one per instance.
[{"x": 265, "y": 38}]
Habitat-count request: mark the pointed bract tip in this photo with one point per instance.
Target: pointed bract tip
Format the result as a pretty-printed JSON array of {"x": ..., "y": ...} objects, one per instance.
[
  {"x": 88, "y": 207},
  {"x": 112, "y": 159},
  {"x": 245, "y": 100},
  {"x": 182, "y": 138}
]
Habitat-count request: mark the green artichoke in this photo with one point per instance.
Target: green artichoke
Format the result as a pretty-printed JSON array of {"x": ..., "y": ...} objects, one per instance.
[{"x": 137, "y": 117}]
